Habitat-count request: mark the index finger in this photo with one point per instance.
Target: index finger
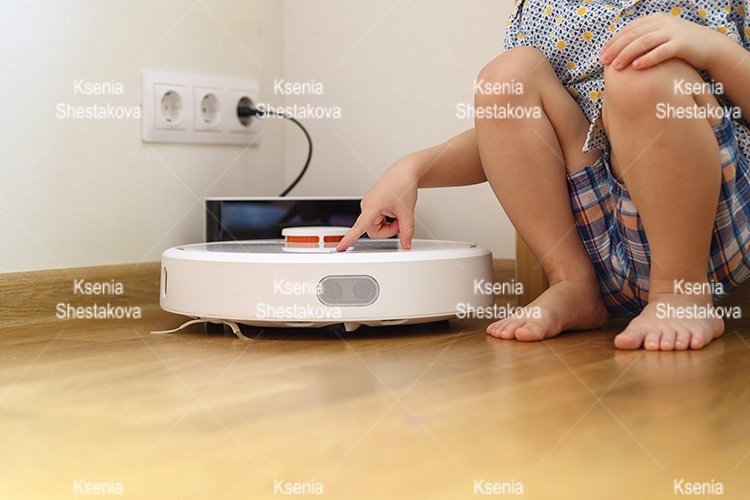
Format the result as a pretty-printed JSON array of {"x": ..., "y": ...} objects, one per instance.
[{"x": 359, "y": 228}]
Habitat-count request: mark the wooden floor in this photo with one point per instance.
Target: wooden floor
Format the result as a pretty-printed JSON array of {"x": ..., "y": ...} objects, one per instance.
[{"x": 419, "y": 412}]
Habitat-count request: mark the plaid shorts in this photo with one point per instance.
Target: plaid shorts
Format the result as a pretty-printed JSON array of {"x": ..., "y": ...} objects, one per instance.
[{"x": 611, "y": 230}]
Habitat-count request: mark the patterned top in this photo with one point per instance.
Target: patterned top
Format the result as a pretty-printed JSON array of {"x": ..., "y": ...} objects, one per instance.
[{"x": 570, "y": 33}]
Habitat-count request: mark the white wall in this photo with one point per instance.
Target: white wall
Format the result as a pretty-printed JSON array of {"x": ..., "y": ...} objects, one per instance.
[
  {"x": 80, "y": 193},
  {"x": 89, "y": 192},
  {"x": 398, "y": 70}
]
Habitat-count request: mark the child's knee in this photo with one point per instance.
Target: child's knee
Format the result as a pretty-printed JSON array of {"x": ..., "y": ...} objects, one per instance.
[
  {"x": 630, "y": 89},
  {"x": 639, "y": 93},
  {"x": 519, "y": 66}
]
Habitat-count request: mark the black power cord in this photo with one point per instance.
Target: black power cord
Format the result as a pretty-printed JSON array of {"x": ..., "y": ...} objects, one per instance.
[{"x": 249, "y": 112}]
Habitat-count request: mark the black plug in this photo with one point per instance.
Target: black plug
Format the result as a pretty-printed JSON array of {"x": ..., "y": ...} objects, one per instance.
[{"x": 249, "y": 112}]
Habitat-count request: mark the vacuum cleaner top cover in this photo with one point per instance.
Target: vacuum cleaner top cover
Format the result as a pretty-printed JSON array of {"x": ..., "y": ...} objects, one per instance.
[{"x": 363, "y": 250}]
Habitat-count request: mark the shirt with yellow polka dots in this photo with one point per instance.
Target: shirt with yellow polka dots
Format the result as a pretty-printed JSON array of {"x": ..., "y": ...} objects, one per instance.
[{"x": 571, "y": 33}]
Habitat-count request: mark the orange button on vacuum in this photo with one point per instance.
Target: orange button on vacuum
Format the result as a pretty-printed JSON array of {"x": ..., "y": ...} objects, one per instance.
[{"x": 313, "y": 236}]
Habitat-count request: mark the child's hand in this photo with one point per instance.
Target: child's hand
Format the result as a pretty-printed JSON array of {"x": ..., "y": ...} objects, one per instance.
[
  {"x": 653, "y": 39},
  {"x": 394, "y": 196}
]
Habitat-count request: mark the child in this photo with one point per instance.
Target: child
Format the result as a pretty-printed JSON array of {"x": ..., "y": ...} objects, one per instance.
[{"x": 630, "y": 182}]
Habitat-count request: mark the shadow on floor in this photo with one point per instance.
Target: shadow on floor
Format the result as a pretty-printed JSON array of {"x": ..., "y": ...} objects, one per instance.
[{"x": 438, "y": 328}]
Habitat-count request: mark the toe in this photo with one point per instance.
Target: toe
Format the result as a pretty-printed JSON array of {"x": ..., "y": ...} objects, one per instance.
[
  {"x": 530, "y": 332},
  {"x": 631, "y": 338},
  {"x": 697, "y": 342},
  {"x": 503, "y": 329},
  {"x": 494, "y": 328},
  {"x": 651, "y": 342},
  {"x": 668, "y": 337},
  {"x": 497, "y": 327},
  {"x": 682, "y": 339},
  {"x": 509, "y": 332}
]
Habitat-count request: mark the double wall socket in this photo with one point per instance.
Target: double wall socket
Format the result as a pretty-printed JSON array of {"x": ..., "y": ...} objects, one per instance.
[{"x": 198, "y": 109}]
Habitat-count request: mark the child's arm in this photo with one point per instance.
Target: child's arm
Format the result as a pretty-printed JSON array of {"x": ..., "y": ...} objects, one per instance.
[
  {"x": 653, "y": 39},
  {"x": 454, "y": 163}
]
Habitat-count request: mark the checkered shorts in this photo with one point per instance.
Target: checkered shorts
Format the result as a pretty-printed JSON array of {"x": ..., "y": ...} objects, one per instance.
[{"x": 612, "y": 233}]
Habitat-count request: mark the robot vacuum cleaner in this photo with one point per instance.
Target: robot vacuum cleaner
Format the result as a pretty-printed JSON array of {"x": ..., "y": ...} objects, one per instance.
[{"x": 302, "y": 282}]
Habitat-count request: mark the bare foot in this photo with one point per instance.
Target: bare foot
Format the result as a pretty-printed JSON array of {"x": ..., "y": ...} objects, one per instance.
[
  {"x": 566, "y": 305},
  {"x": 669, "y": 323}
]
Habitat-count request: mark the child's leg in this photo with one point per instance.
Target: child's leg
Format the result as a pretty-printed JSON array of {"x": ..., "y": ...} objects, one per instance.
[
  {"x": 525, "y": 160},
  {"x": 672, "y": 169}
]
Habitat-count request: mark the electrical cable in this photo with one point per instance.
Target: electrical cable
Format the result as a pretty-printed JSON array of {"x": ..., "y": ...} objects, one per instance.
[{"x": 249, "y": 112}]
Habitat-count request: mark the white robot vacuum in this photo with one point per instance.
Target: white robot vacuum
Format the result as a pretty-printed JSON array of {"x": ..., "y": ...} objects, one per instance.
[{"x": 302, "y": 282}]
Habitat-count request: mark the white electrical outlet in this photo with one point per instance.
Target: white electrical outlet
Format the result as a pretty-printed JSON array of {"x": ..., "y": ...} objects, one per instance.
[
  {"x": 208, "y": 112},
  {"x": 198, "y": 109},
  {"x": 170, "y": 102}
]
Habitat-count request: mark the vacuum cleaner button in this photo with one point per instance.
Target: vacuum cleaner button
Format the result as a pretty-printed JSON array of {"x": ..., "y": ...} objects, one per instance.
[{"x": 314, "y": 236}]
